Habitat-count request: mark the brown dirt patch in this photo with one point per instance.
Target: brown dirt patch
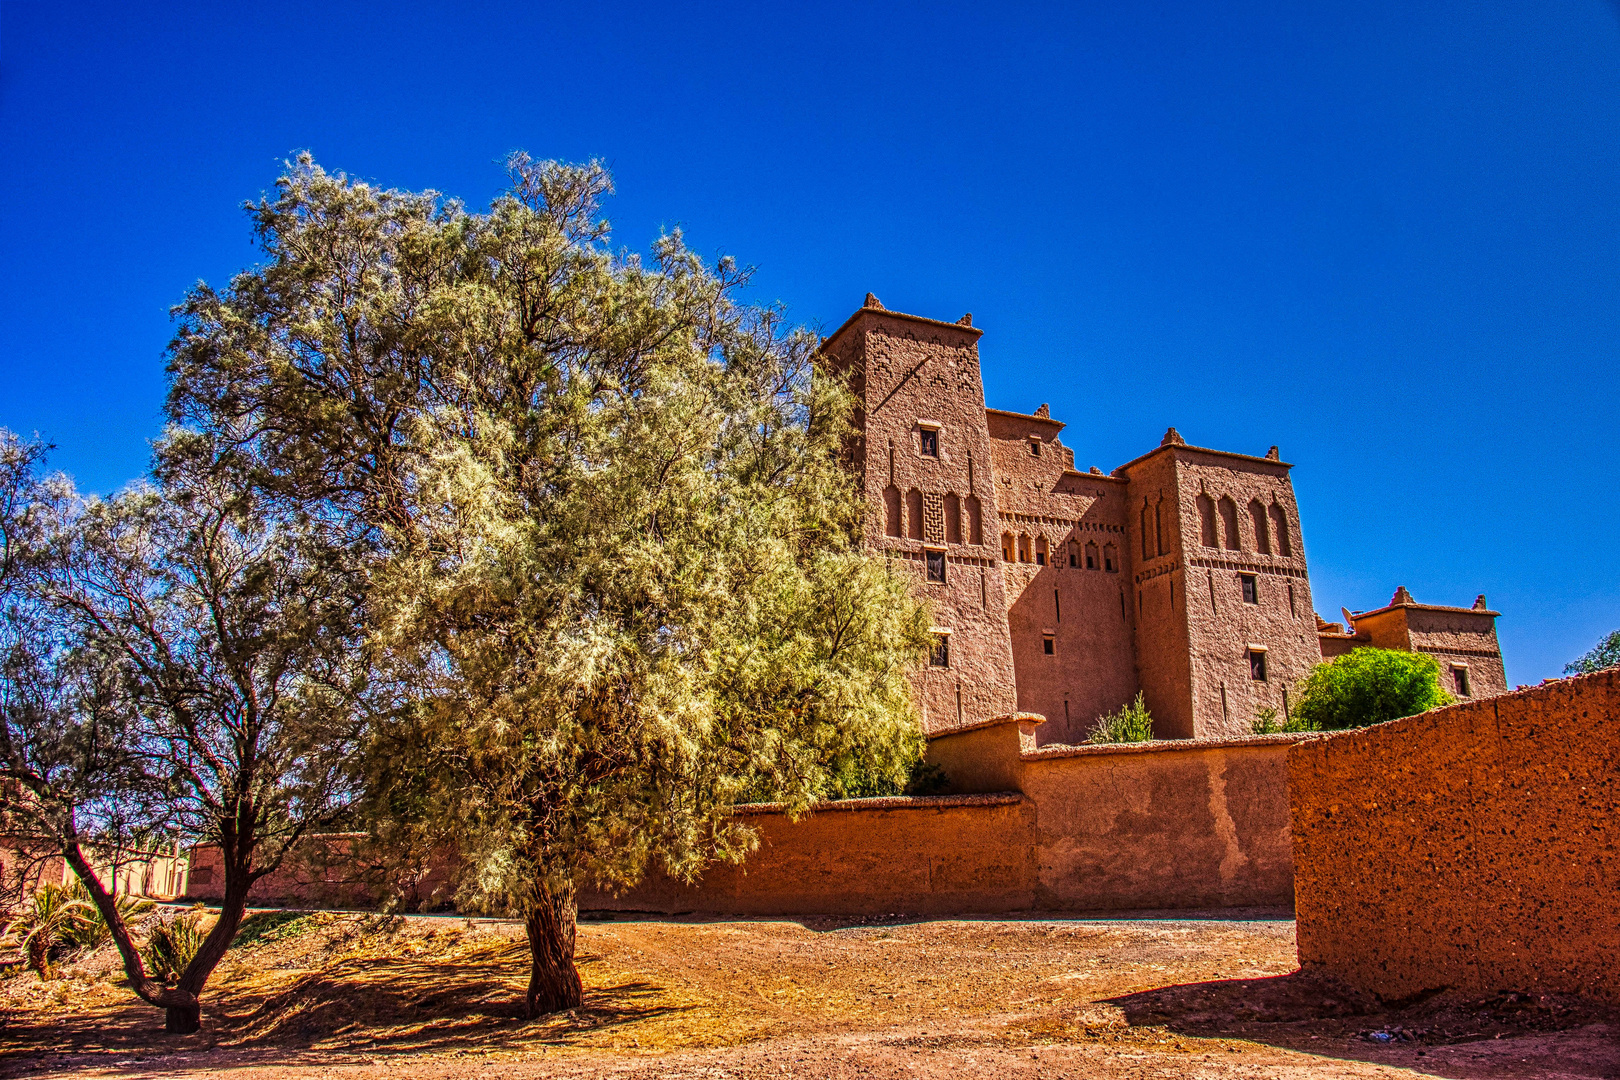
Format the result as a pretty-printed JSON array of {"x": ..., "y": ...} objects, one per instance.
[{"x": 378, "y": 998}]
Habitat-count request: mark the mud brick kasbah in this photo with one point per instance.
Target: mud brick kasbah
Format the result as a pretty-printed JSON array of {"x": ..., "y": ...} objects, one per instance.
[{"x": 1180, "y": 574}]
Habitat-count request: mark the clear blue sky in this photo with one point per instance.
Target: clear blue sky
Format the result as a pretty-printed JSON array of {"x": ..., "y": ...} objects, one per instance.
[{"x": 1385, "y": 236}]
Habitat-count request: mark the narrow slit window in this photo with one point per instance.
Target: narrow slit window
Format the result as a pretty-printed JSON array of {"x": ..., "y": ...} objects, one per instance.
[{"x": 936, "y": 566}]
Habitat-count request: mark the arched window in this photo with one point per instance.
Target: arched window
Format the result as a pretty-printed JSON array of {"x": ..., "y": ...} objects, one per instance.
[
  {"x": 891, "y": 511},
  {"x": 1206, "y": 522},
  {"x": 1110, "y": 558},
  {"x": 914, "y": 524},
  {"x": 1229, "y": 523},
  {"x": 1091, "y": 555},
  {"x": 1040, "y": 550},
  {"x": 975, "y": 526},
  {"x": 1279, "y": 530},
  {"x": 1007, "y": 546},
  {"x": 1147, "y": 537},
  {"x": 1262, "y": 534},
  {"x": 1024, "y": 548},
  {"x": 953, "y": 519}
]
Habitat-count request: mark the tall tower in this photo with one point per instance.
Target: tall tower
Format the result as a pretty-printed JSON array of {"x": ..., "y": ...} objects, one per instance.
[
  {"x": 923, "y": 462},
  {"x": 1224, "y": 623}
]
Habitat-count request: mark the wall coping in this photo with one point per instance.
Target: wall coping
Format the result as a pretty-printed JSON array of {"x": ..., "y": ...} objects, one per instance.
[
  {"x": 992, "y": 721},
  {"x": 1060, "y": 750},
  {"x": 890, "y": 802}
]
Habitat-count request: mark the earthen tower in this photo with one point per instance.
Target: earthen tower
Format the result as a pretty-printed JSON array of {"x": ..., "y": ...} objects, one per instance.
[{"x": 1180, "y": 574}]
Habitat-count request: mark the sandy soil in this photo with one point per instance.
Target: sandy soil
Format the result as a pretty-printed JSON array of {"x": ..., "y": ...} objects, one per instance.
[{"x": 369, "y": 998}]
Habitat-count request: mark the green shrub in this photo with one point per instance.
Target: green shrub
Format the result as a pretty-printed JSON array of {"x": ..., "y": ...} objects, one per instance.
[
  {"x": 45, "y": 925},
  {"x": 1367, "y": 686},
  {"x": 1605, "y": 654},
  {"x": 91, "y": 930},
  {"x": 263, "y": 927},
  {"x": 1130, "y": 723},
  {"x": 171, "y": 945}
]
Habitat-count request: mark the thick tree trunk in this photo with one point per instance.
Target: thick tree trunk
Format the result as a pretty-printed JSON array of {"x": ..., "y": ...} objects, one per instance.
[
  {"x": 182, "y": 1019},
  {"x": 553, "y": 980}
]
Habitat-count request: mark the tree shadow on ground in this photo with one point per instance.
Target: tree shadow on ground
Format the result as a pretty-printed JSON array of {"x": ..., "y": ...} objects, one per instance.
[
  {"x": 1316, "y": 1013},
  {"x": 349, "y": 1010}
]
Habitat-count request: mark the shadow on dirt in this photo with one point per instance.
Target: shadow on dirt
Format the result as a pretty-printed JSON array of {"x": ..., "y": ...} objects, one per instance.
[{"x": 1315, "y": 1013}]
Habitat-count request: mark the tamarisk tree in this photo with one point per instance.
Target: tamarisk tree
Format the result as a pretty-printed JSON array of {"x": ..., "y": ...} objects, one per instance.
[
  {"x": 616, "y": 557},
  {"x": 207, "y": 675}
]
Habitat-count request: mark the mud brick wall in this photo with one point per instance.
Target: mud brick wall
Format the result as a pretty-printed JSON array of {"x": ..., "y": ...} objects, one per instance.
[{"x": 1473, "y": 847}]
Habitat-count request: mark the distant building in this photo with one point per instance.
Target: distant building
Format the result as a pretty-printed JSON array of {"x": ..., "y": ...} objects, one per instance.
[{"x": 1180, "y": 574}]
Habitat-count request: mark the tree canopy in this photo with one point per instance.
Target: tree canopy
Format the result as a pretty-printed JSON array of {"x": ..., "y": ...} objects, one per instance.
[
  {"x": 1367, "y": 686},
  {"x": 610, "y": 546},
  {"x": 1605, "y": 654}
]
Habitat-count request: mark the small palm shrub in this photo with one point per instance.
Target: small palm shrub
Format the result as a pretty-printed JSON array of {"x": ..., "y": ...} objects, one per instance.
[
  {"x": 48, "y": 923},
  {"x": 171, "y": 946},
  {"x": 1130, "y": 723},
  {"x": 91, "y": 930}
]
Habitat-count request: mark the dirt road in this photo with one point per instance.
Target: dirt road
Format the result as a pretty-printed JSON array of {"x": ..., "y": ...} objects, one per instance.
[{"x": 369, "y": 998}]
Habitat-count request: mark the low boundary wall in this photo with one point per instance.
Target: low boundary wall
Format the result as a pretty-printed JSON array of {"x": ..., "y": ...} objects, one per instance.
[
  {"x": 1095, "y": 828},
  {"x": 1473, "y": 847},
  {"x": 1175, "y": 824}
]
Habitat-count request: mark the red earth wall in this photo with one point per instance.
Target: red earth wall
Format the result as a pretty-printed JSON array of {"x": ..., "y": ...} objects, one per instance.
[{"x": 1472, "y": 847}]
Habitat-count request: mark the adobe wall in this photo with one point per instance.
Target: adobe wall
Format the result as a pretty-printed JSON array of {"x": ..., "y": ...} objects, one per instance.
[
  {"x": 1472, "y": 847},
  {"x": 933, "y": 855},
  {"x": 1147, "y": 825}
]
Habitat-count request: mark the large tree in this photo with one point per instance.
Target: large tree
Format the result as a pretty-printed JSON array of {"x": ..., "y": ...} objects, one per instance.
[
  {"x": 616, "y": 553},
  {"x": 196, "y": 665}
]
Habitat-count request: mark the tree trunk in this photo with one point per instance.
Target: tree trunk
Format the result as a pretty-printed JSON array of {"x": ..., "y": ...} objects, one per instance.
[
  {"x": 182, "y": 1019},
  {"x": 553, "y": 980}
]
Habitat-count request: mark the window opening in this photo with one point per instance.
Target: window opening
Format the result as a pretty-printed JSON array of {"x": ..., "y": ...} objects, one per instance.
[
  {"x": 929, "y": 441},
  {"x": 1047, "y": 645},
  {"x": 1040, "y": 550},
  {"x": 940, "y": 654},
  {"x": 1034, "y": 447},
  {"x": 1257, "y": 665},
  {"x": 1108, "y": 558},
  {"x": 1460, "y": 676},
  {"x": 936, "y": 566},
  {"x": 1007, "y": 547},
  {"x": 1023, "y": 547},
  {"x": 1091, "y": 556},
  {"x": 1251, "y": 588}
]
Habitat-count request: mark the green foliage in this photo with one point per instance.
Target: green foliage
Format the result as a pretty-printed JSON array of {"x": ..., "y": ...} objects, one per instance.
[
  {"x": 613, "y": 557},
  {"x": 1130, "y": 723},
  {"x": 264, "y": 927},
  {"x": 1267, "y": 721},
  {"x": 92, "y": 930},
  {"x": 171, "y": 945},
  {"x": 52, "y": 919},
  {"x": 1368, "y": 686},
  {"x": 1605, "y": 654}
]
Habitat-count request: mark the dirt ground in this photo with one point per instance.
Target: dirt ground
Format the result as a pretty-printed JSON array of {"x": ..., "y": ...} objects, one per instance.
[{"x": 371, "y": 998}]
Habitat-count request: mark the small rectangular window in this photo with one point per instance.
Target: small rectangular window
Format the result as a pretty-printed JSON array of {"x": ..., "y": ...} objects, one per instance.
[
  {"x": 930, "y": 442},
  {"x": 1034, "y": 447},
  {"x": 940, "y": 654},
  {"x": 1074, "y": 559},
  {"x": 1251, "y": 589},
  {"x": 1047, "y": 645},
  {"x": 936, "y": 566},
  {"x": 1257, "y": 665},
  {"x": 1460, "y": 675}
]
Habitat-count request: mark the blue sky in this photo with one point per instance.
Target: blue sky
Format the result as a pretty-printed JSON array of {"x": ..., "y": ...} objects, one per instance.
[{"x": 1385, "y": 236}]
